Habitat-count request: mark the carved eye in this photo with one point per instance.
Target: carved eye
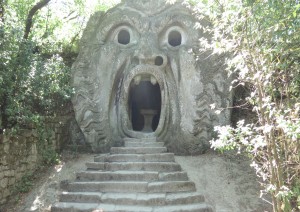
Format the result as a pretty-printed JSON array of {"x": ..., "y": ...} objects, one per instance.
[
  {"x": 174, "y": 38},
  {"x": 124, "y": 37}
]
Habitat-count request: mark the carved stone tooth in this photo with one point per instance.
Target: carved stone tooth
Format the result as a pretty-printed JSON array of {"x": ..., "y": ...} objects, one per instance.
[
  {"x": 137, "y": 80},
  {"x": 153, "y": 80}
]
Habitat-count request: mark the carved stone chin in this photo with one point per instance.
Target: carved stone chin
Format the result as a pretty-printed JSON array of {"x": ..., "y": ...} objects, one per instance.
[{"x": 137, "y": 76}]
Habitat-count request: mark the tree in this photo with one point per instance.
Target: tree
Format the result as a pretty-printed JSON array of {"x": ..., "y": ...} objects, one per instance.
[
  {"x": 31, "y": 13},
  {"x": 38, "y": 46},
  {"x": 263, "y": 39}
]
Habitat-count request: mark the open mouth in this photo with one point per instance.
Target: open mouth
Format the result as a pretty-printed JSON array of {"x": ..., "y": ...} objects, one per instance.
[
  {"x": 142, "y": 111},
  {"x": 144, "y": 103}
]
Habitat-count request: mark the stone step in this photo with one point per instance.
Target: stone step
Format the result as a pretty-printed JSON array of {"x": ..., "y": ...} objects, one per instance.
[
  {"x": 162, "y": 157},
  {"x": 135, "y": 166},
  {"x": 139, "y": 177},
  {"x": 130, "y": 176},
  {"x": 117, "y": 176},
  {"x": 137, "y": 150},
  {"x": 171, "y": 186},
  {"x": 143, "y": 144},
  {"x": 173, "y": 176},
  {"x": 131, "y": 186},
  {"x": 88, "y": 207},
  {"x": 155, "y": 199},
  {"x": 140, "y": 139}
]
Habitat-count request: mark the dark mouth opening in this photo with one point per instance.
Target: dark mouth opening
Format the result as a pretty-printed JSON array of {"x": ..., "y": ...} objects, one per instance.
[{"x": 144, "y": 104}]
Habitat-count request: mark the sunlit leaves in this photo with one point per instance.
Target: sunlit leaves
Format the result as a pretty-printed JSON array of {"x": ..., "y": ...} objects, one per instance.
[
  {"x": 35, "y": 72},
  {"x": 262, "y": 39}
]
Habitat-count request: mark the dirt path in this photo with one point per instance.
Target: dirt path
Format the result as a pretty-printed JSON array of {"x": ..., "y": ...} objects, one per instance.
[{"x": 228, "y": 183}]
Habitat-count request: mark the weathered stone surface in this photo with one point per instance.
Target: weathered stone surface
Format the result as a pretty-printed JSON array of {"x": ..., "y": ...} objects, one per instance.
[
  {"x": 117, "y": 176},
  {"x": 5, "y": 192},
  {"x": 87, "y": 207},
  {"x": 171, "y": 186},
  {"x": 4, "y": 183},
  {"x": 134, "y": 166},
  {"x": 173, "y": 176},
  {"x": 140, "y": 65},
  {"x": 127, "y": 188},
  {"x": 111, "y": 186},
  {"x": 159, "y": 157},
  {"x": 19, "y": 155},
  {"x": 11, "y": 181},
  {"x": 138, "y": 150}
]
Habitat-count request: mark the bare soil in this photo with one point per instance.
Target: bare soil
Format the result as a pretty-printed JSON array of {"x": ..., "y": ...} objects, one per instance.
[{"x": 227, "y": 181}]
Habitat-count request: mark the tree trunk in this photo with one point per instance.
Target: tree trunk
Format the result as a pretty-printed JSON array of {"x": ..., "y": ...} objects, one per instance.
[
  {"x": 2, "y": 10},
  {"x": 31, "y": 13}
]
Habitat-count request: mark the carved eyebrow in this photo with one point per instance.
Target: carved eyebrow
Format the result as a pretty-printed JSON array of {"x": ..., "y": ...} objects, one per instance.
[
  {"x": 112, "y": 21},
  {"x": 178, "y": 19}
]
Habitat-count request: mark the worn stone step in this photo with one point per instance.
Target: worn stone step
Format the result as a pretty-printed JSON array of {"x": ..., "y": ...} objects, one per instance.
[
  {"x": 162, "y": 157},
  {"x": 135, "y": 166},
  {"x": 132, "y": 186},
  {"x": 140, "y": 139},
  {"x": 173, "y": 176},
  {"x": 130, "y": 176},
  {"x": 137, "y": 150},
  {"x": 88, "y": 207},
  {"x": 171, "y": 186},
  {"x": 151, "y": 199},
  {"x": 108, "y": 186},
  {"x": 139, "y": 177},
  {"x": 117, "y": 176},
  {"x": 143, "y": 144}
]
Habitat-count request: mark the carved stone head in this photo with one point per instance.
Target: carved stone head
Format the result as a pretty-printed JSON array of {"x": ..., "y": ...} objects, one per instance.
[{"x": 140, "y": 74}]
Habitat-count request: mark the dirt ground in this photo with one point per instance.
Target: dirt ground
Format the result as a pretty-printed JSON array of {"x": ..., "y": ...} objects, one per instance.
[{"x": 228, "y": 183}]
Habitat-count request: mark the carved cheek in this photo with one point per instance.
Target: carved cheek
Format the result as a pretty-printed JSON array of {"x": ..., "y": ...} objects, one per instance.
[{"x": 190, "y": 87}]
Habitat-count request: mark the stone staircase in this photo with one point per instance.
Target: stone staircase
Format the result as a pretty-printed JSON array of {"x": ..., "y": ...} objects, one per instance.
[{"x": 140, "y": 177}]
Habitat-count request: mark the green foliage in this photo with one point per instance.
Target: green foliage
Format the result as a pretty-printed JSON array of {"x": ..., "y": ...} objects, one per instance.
[
  {"x": 35, "y": 72},
  {"x": 30, "y": 84},
  {"x": 49, "y": 156},
  {"x": 45, "y": 146},
  {"x": 263, "y": 38},
  {"x": 25, "y": 184}
]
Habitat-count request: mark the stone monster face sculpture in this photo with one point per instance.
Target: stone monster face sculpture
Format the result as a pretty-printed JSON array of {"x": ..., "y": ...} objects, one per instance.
[{"x": 137, "y": 76}]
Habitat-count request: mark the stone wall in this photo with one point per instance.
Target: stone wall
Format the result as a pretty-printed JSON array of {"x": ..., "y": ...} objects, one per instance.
[{"x": 19, "y": 153}]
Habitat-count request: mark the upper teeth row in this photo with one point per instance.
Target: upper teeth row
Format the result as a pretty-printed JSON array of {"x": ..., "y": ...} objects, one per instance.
[{"x": 137, "y": 80}]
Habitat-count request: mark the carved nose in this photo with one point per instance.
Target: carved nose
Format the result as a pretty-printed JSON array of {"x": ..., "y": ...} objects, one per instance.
[
  {"x": 147, "y": 53},
  {"x": 153, "y": 59},
  {"x": 159, "y": 60}
]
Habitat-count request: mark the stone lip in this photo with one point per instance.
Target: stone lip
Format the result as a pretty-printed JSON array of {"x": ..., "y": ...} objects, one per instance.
[{"x": 158, "y": 72}]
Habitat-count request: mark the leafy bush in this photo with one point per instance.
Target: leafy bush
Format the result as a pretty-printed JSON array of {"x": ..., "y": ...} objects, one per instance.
[
  {"x": 263, "y": 38},
  {"x": 25, "y": 184},
  {"x": 33, "y": 80}
]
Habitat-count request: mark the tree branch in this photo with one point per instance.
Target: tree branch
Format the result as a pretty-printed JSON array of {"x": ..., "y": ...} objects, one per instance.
[
  {"x": 2, "y": 3},
  {"x": 31, "y": 13}
]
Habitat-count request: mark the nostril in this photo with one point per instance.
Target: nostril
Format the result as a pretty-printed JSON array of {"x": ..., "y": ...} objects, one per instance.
[{"x": 159, "y": 61}]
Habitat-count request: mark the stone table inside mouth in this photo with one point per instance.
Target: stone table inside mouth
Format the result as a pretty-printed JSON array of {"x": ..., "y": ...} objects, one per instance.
[{"x": 148, "y": 117}]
